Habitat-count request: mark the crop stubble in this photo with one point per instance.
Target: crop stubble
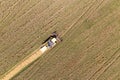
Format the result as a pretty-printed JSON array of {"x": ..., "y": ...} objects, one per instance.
[
  {"x": 95, "y": 49},
  {"x": 88, "y": 56}
]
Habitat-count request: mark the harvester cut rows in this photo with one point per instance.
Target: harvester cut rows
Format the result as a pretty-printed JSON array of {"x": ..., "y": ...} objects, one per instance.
[{"x": 48, "y": 44}]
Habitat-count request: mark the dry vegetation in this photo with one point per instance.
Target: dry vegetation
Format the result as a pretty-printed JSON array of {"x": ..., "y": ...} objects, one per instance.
[
  {"x": 23, "y": 33},
  {"x": 90, "y": 50}
]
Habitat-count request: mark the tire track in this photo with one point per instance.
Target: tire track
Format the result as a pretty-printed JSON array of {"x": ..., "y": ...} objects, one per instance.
[
  {"x": 10, "y": 11},
  {"x": 32, "y": 8},
  {"x": 94, "y": 74},
  {"x": 77, "y": 20},
  {"x": 3, "y": 79},
  {"x": 85, "y": 52},
  {"x": 2, "y": 21},
  {"x": 34, "y": 5},
  {"x": 99, "y": 70},
  {"x": 83, "y": 72},
  {"x": 104, "y": 23},
  {"x": 75, "y": 23},
  {"x": 32, "y": 18},
  {"x": 99, "y": 22},
  {"x": 62, "y": 35},
  {"x": 1, "y": 16},
  {"x": 78, "y": 68},
  {"x": 106, "y": 65},
  {"x": 43, "y": 32},
  {"x": 87, "y": 11},
  {"x": 14, "y": 3},
  {"x": 38, "y": 30},
  {"x": 17, "y": 68},
  {"x": 112, "y": 76},
  {"x": 21, "y": 26},
  {"x": 15, "y": 31}
]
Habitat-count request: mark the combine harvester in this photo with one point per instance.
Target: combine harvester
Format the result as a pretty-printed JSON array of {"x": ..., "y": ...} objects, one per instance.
[{"x": 50, "y": 42}]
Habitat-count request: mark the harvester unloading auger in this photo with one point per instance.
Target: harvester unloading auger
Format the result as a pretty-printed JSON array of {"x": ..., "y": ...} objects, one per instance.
[{"x": 50, "y": 42}]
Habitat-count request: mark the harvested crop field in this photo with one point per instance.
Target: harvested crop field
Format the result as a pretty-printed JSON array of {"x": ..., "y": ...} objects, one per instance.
[{"x": 91, "y": 38}]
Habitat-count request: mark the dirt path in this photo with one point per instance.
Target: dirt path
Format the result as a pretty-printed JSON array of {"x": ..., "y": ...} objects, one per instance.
[
  {"x": 34, "y": 56},
  {"x": 28, "y": 60},
  {"x": 20, "y": 66}
]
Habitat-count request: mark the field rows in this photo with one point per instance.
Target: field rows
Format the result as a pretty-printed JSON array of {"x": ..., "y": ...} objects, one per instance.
[
  {"x": 23, "y": 39},
  {"x": 21, "y": 44},
  {"x": 91, "y": 38},
  {"x": 93, "y": 50}
]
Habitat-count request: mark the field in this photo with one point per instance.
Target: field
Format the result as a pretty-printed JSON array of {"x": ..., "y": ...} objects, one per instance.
[
  {"x": 22, "y": 31},
  {"x": 91, "y": 43}
]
